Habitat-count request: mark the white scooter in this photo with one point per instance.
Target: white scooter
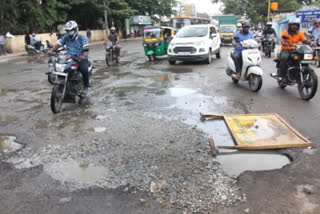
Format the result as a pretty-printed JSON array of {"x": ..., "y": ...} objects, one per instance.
[{"x": 251, "y": 70}]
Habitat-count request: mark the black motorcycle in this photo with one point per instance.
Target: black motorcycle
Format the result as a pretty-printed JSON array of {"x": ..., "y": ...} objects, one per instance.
[
  {"x": 268, "y": 45},
  {"x": 68, "y": 86},
  {"x": 111, "y": 53},
  {"x": 317, "y": 52},
  {"x": 299, "y": 72},
  {"x": 56, "y": 63}
]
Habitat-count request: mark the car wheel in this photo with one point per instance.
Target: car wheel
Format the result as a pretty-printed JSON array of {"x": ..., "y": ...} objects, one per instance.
[
  {"x": 209, "y": 59},
  {"x": 172, "y": 62},
  {"x": 218, "y": 55}
]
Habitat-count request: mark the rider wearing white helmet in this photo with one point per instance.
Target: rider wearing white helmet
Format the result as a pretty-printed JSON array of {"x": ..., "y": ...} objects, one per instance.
[
  {"x": 268, "y": 31},
  {"x": 114, "y": 38},
  {"x": 77, "y": 45}
]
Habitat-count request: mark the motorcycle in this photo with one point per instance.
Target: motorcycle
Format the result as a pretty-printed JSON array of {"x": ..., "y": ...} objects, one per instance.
[
  {"x": 69, "y": 84},
  {"x": 111, "y": 54},
  {"x": 34, "y": 50},
  {"x": 317, "y": 52},
  {"x": 299, "y": 72},
  {"x": 56, "y": 62},
  {"x": 251, "y": 70},
  {"x": 258, "y": 38},
  {"x": 268, "y": 45}
]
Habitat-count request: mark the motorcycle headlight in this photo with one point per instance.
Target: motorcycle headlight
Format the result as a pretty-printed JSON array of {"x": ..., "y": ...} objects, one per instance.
[
  {"x": 145, "y": 45},
  {"x": 157, "y": 44},
  {"x": 308, "y": 56}
]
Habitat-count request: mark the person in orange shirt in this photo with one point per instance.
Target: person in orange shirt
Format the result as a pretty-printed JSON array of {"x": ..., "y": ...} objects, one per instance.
[{"x": 287, "y": 45}]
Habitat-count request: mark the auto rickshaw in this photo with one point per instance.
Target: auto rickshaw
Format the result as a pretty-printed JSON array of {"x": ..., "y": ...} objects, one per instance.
[{"x": 156, "y": 41}]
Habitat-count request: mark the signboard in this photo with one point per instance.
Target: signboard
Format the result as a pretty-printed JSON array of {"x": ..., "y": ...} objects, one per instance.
[
  {"x": 308, "y": 16},
  {"x": 140, "y": 20}
]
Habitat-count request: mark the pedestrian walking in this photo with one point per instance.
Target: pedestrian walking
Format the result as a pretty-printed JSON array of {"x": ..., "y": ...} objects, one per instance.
[
  {"x": 89, "y": 34},
  {"x": 2, "y": 45}
]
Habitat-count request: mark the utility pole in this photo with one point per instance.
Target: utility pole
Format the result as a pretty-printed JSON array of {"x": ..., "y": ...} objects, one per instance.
[
  {"x": 106, "y": 18},
  {"x": 268, "y": 10}
]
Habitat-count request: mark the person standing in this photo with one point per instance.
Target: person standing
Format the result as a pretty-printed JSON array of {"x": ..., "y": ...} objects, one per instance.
[
  {"x": 2, "y": 45},
  {"x": 27, "y": 38},
  {"x": 89, "y": 34}
]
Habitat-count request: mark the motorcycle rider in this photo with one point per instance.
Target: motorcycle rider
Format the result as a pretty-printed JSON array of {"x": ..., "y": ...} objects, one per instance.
[
  {"x": 242, "y": 35},
  {"x": 295, "y": 36},
  {"x": 114, "y": 38},
  {"x": 76, "y": 45},
  {"x": 314, "y": 31},
  {"x": 35, "y": 42},
  {"x": 268, "y": 31}
]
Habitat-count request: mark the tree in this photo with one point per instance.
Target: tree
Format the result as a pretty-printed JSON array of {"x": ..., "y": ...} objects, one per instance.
[
  {"x": 152, "y": 7},
  {"x": 255, "y": 10}
]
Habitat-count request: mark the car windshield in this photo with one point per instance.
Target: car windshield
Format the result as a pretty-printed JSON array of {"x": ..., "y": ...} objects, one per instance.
[
  {"x": 192, "y": 32},
  {"x": 227, "y": 29},
  {"x": 151, "y": 33}
]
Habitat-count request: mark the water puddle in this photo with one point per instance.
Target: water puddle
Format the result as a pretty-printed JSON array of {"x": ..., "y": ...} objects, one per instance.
[
  {"x": 235, "y": 163},
  {"x": 73, "y": 172},
  {"x": 8, "y": 144}
]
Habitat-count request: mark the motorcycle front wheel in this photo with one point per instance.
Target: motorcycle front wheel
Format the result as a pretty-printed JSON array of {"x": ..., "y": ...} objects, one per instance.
[
  {"x": 52, "y": 78},
  {"x": 108, "y": 59},
  {"x": 309, "y": 86},
  {"x": 57, "y": 98},
  {"x": 255, "y": 82}
]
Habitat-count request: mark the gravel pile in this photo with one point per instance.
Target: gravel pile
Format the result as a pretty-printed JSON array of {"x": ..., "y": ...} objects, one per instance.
[{"x": 173, "y": 164}]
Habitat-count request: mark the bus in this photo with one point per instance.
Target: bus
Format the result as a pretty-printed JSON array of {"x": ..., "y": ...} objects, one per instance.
[{"x": 179, "y": 22}]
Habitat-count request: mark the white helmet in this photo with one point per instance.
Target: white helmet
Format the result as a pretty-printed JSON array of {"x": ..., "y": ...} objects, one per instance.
[
  {"x": 295, "y": 21},
  {"x": 113, "y": 29},
  {"x": 71, "y": 28},
  {"x": 269, "y": 23}
]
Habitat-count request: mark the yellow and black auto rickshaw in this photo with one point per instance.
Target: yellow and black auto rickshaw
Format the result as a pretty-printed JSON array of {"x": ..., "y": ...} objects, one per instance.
[{"x": 156, "y": 41}]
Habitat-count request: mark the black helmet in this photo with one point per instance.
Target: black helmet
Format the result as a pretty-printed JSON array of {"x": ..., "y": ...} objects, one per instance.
[{"x": 246, "y": 24}]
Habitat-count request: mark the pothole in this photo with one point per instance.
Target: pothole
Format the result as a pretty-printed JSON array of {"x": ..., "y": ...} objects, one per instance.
[
  {"x": 74, "y": 172},
  {"x": 8, "y": 144},
  {"x": 234, "y": 163}
]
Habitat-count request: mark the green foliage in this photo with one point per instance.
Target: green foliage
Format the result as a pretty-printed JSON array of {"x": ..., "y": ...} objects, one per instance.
[
  {"x": 20, "y": 16},
  {"x": 255, "y": 10}
]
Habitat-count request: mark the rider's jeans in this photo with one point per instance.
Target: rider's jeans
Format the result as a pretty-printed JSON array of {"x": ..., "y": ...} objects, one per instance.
[
  {"x": 84, "y": 69},
  {"x": 237, "y": 56}
]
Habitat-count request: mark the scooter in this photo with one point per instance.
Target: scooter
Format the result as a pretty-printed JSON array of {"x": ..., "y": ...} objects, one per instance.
[{"x": 251, "y": 70}]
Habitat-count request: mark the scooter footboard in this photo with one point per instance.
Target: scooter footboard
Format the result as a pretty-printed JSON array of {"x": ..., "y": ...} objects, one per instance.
[{"x": 254, "y": 70}]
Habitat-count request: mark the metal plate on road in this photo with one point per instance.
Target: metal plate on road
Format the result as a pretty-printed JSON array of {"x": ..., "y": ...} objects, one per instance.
[
  {"x": 263, "y": 131},
  {"x": 260, "y": 131}
]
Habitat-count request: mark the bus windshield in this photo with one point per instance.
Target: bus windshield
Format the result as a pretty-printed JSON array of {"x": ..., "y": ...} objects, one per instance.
[
  {"x": 179, "y": 22},
  {"x": 227, "y": 28},
  {"x": 151, "y": 33}
]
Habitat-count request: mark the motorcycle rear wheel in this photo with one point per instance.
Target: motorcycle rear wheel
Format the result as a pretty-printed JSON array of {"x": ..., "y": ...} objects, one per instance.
[
  {"x": 308, "y": 88},
  {"x": 57, "y": 98}
]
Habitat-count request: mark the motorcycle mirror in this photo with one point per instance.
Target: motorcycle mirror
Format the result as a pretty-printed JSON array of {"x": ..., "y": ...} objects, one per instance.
[{"x": 285, "y": 37}]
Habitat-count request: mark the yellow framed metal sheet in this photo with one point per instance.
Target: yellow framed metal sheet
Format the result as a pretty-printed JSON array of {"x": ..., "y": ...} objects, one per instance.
[{"x": 263, "y": 131}]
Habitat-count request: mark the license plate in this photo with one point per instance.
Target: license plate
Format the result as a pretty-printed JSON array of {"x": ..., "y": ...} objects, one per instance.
[
  {"x": 184, "y": 53},
  {"x": 227, "y": 38}
]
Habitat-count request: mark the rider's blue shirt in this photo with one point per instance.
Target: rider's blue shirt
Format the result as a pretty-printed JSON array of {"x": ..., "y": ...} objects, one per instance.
[
  {"x": 242, "y": 37},
  {"x": 74, "y": 47}
]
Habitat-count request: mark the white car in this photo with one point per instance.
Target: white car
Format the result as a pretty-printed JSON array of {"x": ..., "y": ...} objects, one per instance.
[{"x": 194, "y": 43}]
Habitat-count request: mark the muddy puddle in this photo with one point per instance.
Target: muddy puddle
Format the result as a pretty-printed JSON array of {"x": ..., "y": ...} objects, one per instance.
[{"x": 74, "y": 172}]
